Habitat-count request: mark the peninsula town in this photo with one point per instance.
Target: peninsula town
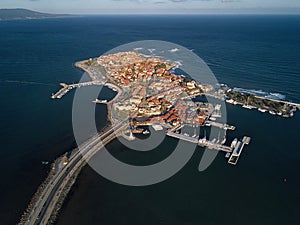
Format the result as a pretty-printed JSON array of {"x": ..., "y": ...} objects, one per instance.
[{"x": 149, "y": 94}]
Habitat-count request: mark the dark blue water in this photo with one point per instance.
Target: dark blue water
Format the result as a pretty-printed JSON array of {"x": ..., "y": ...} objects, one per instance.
[{"x": 253, "y": 52}]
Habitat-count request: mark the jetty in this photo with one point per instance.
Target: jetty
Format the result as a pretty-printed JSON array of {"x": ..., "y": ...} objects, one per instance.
[
  {"x": 234, "y": 151},
  {"x": 183, "y": 137},
  {"x": 280, "y": 101},
  {"x": 237, "y": 151},
  {"x": 68, "y": 87},
  {"x": 219, "y": 125},
  {"x": 275, "y": 107}
]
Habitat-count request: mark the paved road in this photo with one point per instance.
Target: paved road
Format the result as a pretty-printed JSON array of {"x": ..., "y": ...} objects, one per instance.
[{"x": 45, "y": 205}]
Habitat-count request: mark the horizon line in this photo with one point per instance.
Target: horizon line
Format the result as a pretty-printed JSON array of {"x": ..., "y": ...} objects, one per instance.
[{"x": 265, "y": 11}]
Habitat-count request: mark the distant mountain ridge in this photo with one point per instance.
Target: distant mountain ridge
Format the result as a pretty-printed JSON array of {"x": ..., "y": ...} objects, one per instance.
[{"x": 17, "y": 14}]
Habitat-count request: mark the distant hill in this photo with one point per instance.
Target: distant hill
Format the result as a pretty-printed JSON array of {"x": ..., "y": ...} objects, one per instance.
[{"x": 16, "y": 14}]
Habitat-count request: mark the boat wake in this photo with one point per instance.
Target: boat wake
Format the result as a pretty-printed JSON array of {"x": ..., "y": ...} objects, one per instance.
[{"x": 26, "y": 82}]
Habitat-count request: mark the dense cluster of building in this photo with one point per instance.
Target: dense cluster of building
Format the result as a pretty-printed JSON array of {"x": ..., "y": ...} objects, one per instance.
[
  {"x": 127, "y": 67},
  {"x": 183, "y": 112},
  {"x": 155, "y": 94}
]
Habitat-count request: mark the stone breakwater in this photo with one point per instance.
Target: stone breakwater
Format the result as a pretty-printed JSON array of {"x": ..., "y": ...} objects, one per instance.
[
  {"x": 63, "y": 196},
  {"x": 39, "y": 192}
]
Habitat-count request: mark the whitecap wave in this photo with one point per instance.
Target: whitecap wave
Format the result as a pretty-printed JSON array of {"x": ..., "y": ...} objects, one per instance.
[
  {"x": 277, "y": 96},
  {"x": 178, "y": 63},
  {"x": 26, "y": 82},
  {"x": 174, "y": 50},
  {"x": 261, "y": 93},
  {"x": 151, "y": 50}
]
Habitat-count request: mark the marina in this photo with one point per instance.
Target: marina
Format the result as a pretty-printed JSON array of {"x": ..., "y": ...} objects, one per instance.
[
  {"x": 219, "y": 125},
  {"x": 233, "y": 152},
  {"x": 254, "y": 52},
  {"x": 68, "y": 87},
  {"x": 165, "y": 109},
  {"x": 237, "y": 151}
]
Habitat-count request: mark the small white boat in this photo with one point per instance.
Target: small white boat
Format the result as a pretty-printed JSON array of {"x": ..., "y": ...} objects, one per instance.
[
  {"x": 99, "y": 101},
  {"x": 262, "y": 110},
  {"x": 146, "y": 132},
  {"x": 207, "y": 124},
  {"x": 231, "y": 101},
  {"x": 248, "y": 107},
  {"x": 234, "y": 142},
  {"x": 223, "y": 142},
  {"x": 202, "y": 141}
]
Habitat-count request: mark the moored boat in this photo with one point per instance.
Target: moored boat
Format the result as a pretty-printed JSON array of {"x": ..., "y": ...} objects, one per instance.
[
  {"x": 146, "y": 132},
  {"x": 262, "y": 110},
  {"x": 233, "y": 143},
  {"x": 231, "y": 101}
]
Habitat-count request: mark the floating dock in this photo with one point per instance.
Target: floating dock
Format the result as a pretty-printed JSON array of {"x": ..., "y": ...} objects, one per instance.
[
  {"x": 238, "y": 148},
  {"x": 219, "y": 125},
  {"x": 214, "y": 145},
  {"x": 201, "y": 142},
  {"x": 183, "y": 137},
  {"x": 233, "y": 152}
]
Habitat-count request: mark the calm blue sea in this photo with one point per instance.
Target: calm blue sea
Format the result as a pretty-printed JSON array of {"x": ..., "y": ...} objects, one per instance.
[{"x": 253, "y": 52}]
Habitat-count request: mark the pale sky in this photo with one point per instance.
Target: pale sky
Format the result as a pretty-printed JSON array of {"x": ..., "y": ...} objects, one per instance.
[{"x": 156, "y": 6}]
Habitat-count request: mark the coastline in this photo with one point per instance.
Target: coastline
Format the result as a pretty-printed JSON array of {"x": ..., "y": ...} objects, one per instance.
[
  {"x": 114, "y": 87},
  {"x": 240, "y": 56},
  {"x": 54, "y": 167},
  {"x": 65, "y": 186},
  {"x": 54, "y": 171}
]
